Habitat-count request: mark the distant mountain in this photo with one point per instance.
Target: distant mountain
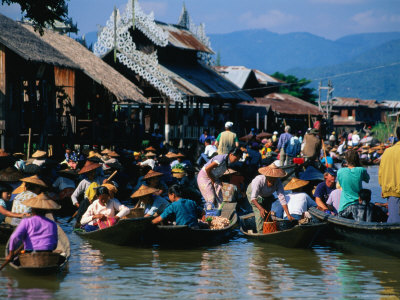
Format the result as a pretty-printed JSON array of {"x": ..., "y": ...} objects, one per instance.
[{"x": 310, "y": 56}]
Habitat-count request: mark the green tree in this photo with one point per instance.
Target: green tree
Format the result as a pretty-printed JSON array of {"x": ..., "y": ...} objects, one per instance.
[
  {"x": 42, "y": 12},
  {"x": 296, "y": 87}
]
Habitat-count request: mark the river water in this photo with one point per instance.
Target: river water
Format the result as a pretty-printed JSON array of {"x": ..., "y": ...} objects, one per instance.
[{"x": 238, "y": 269}]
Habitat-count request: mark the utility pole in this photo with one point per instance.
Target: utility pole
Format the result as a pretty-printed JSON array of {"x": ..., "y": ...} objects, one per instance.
[{"x": 328, "y": 105}]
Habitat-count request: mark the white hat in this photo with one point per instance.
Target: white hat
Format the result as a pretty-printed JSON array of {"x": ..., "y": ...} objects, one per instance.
[
  {"x": 275, "y": 132},
  {"x": 228, "y": 124}
]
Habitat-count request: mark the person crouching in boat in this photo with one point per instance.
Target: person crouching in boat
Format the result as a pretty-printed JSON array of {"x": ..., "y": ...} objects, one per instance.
[
  {"x": 154, "y": 204},
  {"x": 208, "y": 177},
  {"x": 38, "y": 233},
  {"x": 103, "y": 209},
  {"x": 298, "y": 202},
  {"x": 182, "y": 211},
  {"x": 260, "y": 193},
  {"x": 5, "y": 196}
]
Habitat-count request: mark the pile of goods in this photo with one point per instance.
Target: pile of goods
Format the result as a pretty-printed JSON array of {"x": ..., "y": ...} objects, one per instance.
[{"x": 217, "y": 222}]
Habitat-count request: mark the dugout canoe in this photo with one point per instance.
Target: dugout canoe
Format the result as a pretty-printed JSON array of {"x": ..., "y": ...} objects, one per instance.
[
  {"x": 290, "y": 235},
  {"x": 380, "y": 236},
  {"x": 63, "y": 249},
  {"x": 5, "y": 232},
  {"x": 185, "y": 236},
  {"x": 126, "y": 232}
]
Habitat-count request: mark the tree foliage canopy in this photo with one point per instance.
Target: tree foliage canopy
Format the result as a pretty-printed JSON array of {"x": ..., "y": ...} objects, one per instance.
[
  {"x": 296, "y": 87},
  {"x": 42, "y": 12}
]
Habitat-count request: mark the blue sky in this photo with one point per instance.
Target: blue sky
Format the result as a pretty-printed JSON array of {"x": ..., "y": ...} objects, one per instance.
[{"x": 327, "y": 18}]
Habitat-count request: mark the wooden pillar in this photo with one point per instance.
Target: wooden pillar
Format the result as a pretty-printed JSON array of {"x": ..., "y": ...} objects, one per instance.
[{"x": 166, "y": 129}]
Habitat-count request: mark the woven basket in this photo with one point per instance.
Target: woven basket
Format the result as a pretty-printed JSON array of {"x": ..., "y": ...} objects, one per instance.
[
  {"x": 39, "y": 259},
  {"x": 269, "y": 227},
  {"x": 136, "y": 213}
]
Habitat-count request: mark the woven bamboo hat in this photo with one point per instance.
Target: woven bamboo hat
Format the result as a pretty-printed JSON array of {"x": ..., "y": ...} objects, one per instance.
[
  {"x": 295, "y": 183},
  {"x": 106, "y": 151},
  {"x": 110, "y": 187},
  {"x": 170, "y": 155},
  {"x": 34, "y": 180},
  {"x": 179, "y": 155},
  {"x": 39, "y": 154},
  {"x": 151, "y": 149},
  {"x": 152, "y": 174},
  {"x": 230, "y": 172},
  {"x": 272, "y": 171},
  {"x": 10, "y": 174},
  {"x": 144, "y": 191},
  {"x": 150, "y": 154},
  {"x": 113, "y": 154},
  {"x": 41, "y": 201},
  {"x": 94, "y": 154},
  {"x": 89, "y": 166}
]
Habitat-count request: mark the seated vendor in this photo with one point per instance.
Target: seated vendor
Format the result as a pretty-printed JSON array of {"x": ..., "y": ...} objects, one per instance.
[
  {"x": 325, "y": 188},
  {"x": 154, "y": 205},
  {"x": 5, "y": 196},
  {"x": 182, "y": 211},
  {"x": 298, "y": 202},
  {"x": 102, "y": 209},
  {"x": 38, "y": 233}
]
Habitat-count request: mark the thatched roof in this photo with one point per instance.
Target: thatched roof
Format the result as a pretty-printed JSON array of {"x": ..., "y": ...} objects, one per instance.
[
  {"x": 122, "y": 88},
  {"x": 27, "y": 45}
]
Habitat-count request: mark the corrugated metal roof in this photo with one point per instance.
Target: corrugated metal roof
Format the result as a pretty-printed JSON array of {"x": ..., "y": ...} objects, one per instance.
[
  {"x": 182, "y": 38},
  {"x": 201, "y": 81},
  {"x": 353, "y": 102},
  {"x": 265, "y": 78},
  {"x": 286, "y": 104},
  {"x": 390, "y": 104}
]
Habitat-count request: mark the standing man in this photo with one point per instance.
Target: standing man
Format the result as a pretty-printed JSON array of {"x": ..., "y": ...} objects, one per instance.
[
  {"x": 227, "y": 140},
  {"x": 389, "y": 179},
  {"x": 312, "y": 145},
  {"x": 283, "y": 139}
]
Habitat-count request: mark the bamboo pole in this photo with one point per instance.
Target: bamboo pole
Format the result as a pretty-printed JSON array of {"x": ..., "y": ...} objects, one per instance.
[{"x": 29, "y": 143}]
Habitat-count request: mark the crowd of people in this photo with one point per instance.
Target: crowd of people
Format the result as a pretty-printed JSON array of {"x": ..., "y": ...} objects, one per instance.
[{"x": 100, "y": 187}]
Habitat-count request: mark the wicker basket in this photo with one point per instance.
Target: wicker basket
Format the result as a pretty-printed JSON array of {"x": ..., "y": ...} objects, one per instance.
[
  {"x": 136, "y": 213},
  {"x": 269, "y": 227},
  {"x": 39, "y": 259}
]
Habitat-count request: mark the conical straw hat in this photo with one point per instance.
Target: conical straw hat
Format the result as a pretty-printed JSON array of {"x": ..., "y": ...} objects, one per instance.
[
  {"x": 295, "y": 183},
  {"x": 106, "y": 151},
  {"x": 179, "y": 155},
  {"x": 230, "y": 171},
  {"x": 152, "y": 173},
  {"x": 34, "y": 180},
  {"x": 10, "y": 174},
  {"x": 272, "y": 171},
  {"x": 41, "y": 201},
  {"x": 89, "y": 166},
  {"x": 113, "y": 154},
  {"x": 3, "y": 153},
  {"x": 39, "y": 154},
  {"x": 144, "y": 191},
  {"x": 151, "y": 148},
  {"x": 150, "y": 154},
  {"x": 170, "y": 155}
]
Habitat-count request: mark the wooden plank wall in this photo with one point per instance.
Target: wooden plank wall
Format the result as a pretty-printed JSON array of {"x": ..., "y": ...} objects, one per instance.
[{"x": 65, "y": 78}]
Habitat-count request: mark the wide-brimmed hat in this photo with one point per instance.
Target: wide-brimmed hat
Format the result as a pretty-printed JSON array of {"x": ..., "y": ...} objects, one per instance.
[
  {"x": 3, "y": 153},
  {"x": 113, "y": 154},
  {"x": 151, "y": 148},
  {"x": 34, "y": 180},
  {"x": 32, "y": 169},
  {"x": 180, "y": 155},
  {"x": 170, "y": 155},
  {"x": 41, "y": 201},
  {"x": 144, "y": 190},
  {"x": 229, "y": 172},
  {"x": 150, "y": 154},
  {"x": 94, "y": 154},
  {"x": 19, "y": 154},
  {"x": 152, "y": 174},
  {"x": 39, "y": 154},
  {"x": 10, "y": 174},
  {"x": 272, "y": 171},
  {"x": 105, "y": 151},
  {"x": 89, "y": 166},
  {"x": 110, "y": 187},
  {"x": 295, "y": 183}
]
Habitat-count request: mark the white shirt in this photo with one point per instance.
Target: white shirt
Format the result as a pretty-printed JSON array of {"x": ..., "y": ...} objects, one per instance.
[
  {"x": 355, "y": 139},
  {"x": 148, "y": 162},
  {"x": 108, "y": 210},
  {"x": 63, "y": 183},
  {"x": 210, "y": 150},
  {"x": 298, "y": 203}
]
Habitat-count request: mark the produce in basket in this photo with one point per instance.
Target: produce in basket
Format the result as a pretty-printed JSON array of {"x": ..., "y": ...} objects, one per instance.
[{"x": 217, "y": 222}]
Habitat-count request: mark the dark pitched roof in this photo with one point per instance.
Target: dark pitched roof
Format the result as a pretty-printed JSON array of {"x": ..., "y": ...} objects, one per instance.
[{"x": 29, "y": 46}]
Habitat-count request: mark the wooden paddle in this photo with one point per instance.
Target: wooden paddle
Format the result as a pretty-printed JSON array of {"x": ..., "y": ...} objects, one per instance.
[{"x": 7, "y": 261}]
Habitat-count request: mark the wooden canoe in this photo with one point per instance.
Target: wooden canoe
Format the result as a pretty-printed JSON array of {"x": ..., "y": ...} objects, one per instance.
[
  {"x": 5, "y": 232},
  {"x": 185, "y": 236},
  {"x": 289, "y": 235},
  {"x": 63, "y": 248},
  {"x": 381, "y": 236},
  {"x": 125, "y": 232}
]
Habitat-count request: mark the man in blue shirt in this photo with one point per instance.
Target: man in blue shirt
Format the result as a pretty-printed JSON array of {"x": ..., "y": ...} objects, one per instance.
[
  {"x": 325, "y": 188},
  {"x": 185, "y": 211},
  {"x": 283, "y": 139}
]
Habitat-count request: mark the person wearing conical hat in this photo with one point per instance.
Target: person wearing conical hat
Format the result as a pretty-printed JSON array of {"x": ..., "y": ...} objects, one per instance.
[
  {"x": 298, "y": 202},
  {"x": 153, "y": 179},
  {"x": 32, "y": 186},
  {"x": 38, "y": 233},
  {"x": 154, "y": 204},
  {"x": 101, "y": 209},
  {"x": 260, "y": 193},
  {"x": 39, "y": 158},
  {"x": 86, "y": 187}
]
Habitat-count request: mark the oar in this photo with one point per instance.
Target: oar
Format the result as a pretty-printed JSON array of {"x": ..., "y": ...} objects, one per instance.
[
  {"x": 20, "y": 248},
  {"x": 107, "y": 180}
]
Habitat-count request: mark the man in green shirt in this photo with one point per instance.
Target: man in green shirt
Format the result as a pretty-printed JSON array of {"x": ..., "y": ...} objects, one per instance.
[{"x": 226, "y": 140}]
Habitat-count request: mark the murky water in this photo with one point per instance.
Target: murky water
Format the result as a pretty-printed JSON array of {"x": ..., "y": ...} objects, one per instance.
[{"x": 239, "y": 269}]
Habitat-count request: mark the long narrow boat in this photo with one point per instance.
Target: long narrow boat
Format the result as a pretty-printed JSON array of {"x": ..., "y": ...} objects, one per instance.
[
  {"x": 63, "y": 249},
  {"x": 289, "y": 235},
  {"x": 5, "y": 232},
  {"x": 126, "y": 232},
  {"x": 381, "y": 236},
  {"x": 185, "y": 236}
]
